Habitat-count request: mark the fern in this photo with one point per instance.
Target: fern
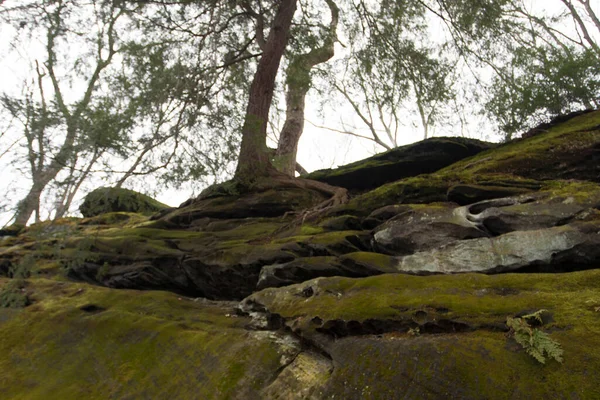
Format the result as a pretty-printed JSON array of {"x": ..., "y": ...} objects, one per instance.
[{"x": 536, "y": 343}]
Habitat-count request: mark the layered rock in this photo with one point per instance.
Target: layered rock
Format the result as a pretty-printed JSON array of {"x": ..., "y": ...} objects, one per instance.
[
  {"x": 330, "y": 306},
  {"x": 411, "y": 160}
]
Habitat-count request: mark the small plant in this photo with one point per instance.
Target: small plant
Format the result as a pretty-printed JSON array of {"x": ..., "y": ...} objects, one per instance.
[
  {"x": 79, "y": 255},
  {"x": 536, "y": 343},
  {"x": 25, "y": 268},
  {"x": 13, "y": 295},
  {"x": 103, "y": 271},
  {"x": 414, "y": 331}
]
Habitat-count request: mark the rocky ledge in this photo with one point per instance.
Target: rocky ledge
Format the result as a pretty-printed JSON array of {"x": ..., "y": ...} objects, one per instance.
[{"x": 410, "y": 290}]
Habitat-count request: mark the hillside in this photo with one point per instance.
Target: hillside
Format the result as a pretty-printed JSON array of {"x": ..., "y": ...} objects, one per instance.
[{"x": 420, "y": 287}]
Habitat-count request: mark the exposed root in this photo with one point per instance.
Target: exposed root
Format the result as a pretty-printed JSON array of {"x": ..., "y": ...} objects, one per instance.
[
  {"x": 337, "y": 196},
  {"x": 277, "y": 180}
]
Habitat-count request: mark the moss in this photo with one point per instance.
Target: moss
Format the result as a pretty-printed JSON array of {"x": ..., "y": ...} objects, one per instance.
[
  {"x": 115, "y": 219},
  {"x": 12, "y": 230},
  {"x": 14, "y": 295},
  {"x": 420, "y": 189},
  {"x": 524, "y": 156},
  {"x": 105, "y": 200},
  {"x": 478, "y": 299},
  {"x": 308, "y": 230},
  {"x": 81, "y": 341},
  {"x": 376, "y": 261},
  {"x": 418, "y": 158},
  {"x": 480, "y": 362}
]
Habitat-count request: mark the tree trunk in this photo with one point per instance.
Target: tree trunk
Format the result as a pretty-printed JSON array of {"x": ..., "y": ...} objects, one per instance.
[
  {"x": 254, "y": 161},
  {"x": 31, "y": 202},
  {"x": 287, "y": 148},
  {"x": 298, "y": 83}
]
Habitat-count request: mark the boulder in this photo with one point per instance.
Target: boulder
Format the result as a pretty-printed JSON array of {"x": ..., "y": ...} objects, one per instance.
[
  {"x": 107, "y": 200},
  {"x": 332, "y": 304},
  {"x": 80, "y": 341},
  {"x": 425, "y": 227},
  {"x": 544, "y": 249},
  {"x": 437, "y": 337},
  {"x": 268, "y": 203},
  {"x": 567, "y": 150},
  {"x": 469, "y": 194},
  {"x": 411, "y": 160},
  {"x": 355, "y": 265}
]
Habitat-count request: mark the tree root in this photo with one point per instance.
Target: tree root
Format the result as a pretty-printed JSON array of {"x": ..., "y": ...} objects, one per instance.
[
  {"x": 337, "y": 196},
  {"x": 277, "y": 180}
]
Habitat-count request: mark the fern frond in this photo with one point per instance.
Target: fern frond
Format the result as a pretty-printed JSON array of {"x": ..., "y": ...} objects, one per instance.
[{"x": 536, "y": 343}]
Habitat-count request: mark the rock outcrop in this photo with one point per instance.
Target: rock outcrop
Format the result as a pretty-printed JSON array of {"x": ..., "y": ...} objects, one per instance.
[
  {"x": 105, "y": 200},
  {"x": 403, "y": 292},
  {"x": 411, "y": 160}
]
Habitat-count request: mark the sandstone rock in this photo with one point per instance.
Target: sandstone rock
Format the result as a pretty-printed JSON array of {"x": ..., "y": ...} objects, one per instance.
[
  {"x": 399, "y": 335},
  {"x": 270, "y": 203},
  {"x": 425, "y": 227},
  {"x": 415, "y": 159},
  {"x": 508, "y": 252},
  {"x": 535, "y": 211},
  {"x": 359, "y": 264},
  {"x": 469, "y": 194},
  {"x": 105, "y": 200}
]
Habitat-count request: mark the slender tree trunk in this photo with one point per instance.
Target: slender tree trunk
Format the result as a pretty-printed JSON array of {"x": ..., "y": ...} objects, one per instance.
[
  {"x": 31, "y": 202},
  {"x": 254, "y": 161},
  {"x": 71, "y": 192},
  {"x": 298, "y": 83},
  {"x": 287, "y": 148}
]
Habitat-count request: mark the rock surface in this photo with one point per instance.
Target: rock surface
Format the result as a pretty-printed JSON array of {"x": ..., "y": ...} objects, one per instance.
[
  {"x": 411, "y": 160},
  {"x": 330, "y": 306},
  {"x": 105, "y": 200}
]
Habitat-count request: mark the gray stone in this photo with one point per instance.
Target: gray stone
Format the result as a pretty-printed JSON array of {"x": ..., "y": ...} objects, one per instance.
[{"x": 505, "y": 253}]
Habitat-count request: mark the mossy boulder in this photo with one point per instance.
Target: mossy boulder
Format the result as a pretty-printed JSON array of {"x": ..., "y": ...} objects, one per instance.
[
  {"x": 11, "y": 230},
  {"x": 568, "y": 150},
  {"x": 445, "y": 336},
  {"x": 411, "y": 160},
  {"x": 267, "y": 203},
  {"x": 80, "y": 341},
  {"x": 108, "y": 200}
]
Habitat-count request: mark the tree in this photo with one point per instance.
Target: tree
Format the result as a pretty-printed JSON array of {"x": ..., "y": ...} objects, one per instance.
[
  {"x": 164, "y": 81},
  {"x": 45, "y": 112},
  {"x": 550, "y": 69},
  {"x": 298, "y": 83},
  {"x": 126, "y": 100},
  {"x": 255, "y": 159}
]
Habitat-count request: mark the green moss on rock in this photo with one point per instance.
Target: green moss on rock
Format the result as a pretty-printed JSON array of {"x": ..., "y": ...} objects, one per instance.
[
  {"x": 462, "y": 350},
  {"x": 106, "y": 200},
  {"x": 79, "y": 341}
]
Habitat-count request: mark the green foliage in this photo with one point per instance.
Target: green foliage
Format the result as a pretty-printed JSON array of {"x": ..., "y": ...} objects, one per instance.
[
  {"x": 103, "y": 271},
  {"x": 545, "y": 81},
  {"x": 536, "y": 343},
  {"x": 414, "y": 331},
  {"x": 25, "y": 268},
  {"x": 82, "y": 253},
  {"x": 13, "y": 294}
]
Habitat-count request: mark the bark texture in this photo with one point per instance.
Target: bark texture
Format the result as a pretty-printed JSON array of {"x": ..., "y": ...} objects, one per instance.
[
  {"x": 254, "y": 161},
  {"x": 298, "y": 83}
]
